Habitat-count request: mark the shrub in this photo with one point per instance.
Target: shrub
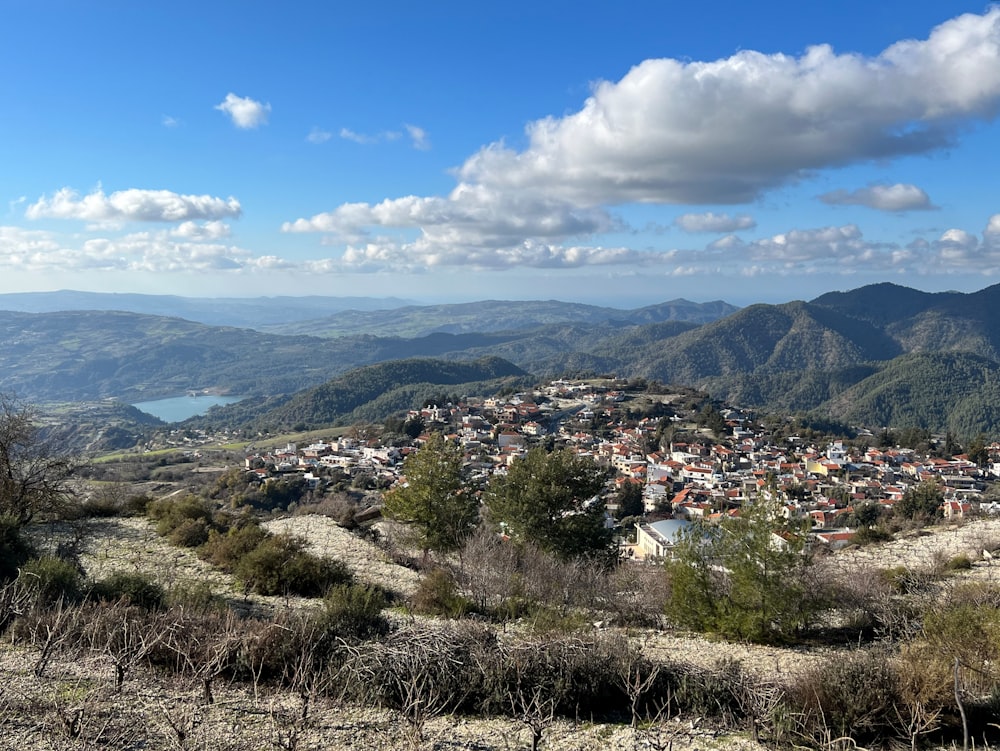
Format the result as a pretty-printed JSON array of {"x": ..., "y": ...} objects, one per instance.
[
  {"x": 353, "y": 612},
  {"x": 51, "y": 579},
  {"x": 170, "y": 514},
  {"x": 190, "y": 533},
  {"x": 437, "y": 594},
  {"x": 279, "y": 565},
  {"x": 137, "y": 505},
  {"x": 196, "y": 596},
  {"x": 226, "y": 550},
  {"x": 871, "y": 535},
  {"x": 133, "y": 588},
  {"x": 102, "y": 505},
  {"x": 851, "y": 695},
  {"x": 960, "y": 562},
  {"x": 14, "y": 549}
]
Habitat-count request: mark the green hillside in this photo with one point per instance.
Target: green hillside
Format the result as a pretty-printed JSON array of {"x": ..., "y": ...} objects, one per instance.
[
  {"x": 370, "y": 393},
  {"x": 957, "y": 391}
]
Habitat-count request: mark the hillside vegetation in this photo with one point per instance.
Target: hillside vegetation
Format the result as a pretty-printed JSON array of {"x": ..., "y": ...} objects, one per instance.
[{"x": 838, "y": 354}]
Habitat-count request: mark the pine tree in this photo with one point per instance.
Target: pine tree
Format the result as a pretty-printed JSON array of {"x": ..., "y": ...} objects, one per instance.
[
  {"x": 552, "y": 500},
  {"x": 434, "y": 500}
]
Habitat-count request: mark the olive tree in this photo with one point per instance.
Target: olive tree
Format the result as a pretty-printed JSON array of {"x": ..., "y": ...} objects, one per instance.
[{"x": 34, "y": 479}]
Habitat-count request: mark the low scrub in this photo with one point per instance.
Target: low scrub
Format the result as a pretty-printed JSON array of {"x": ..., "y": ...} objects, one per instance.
[
  {"x": 280, "y": 565},
  {"x": 136, "y": 589}
]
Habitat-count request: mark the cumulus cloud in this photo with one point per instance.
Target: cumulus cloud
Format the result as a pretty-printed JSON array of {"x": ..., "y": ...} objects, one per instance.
[
  {"x": 160, "y": 251},
  {"x": 245, "y": 112},
  {"x": 898, "y": 197},
  {"x": 710, "y": 222},
  {"x": 727, "y": 131},
  {"x": 170, "y": 122},
  {"x": 132, "y": 205},
  {"x": 678, "y": 132},
  {"x": 214, "y": 230},
  {"x": 418, "y": 137},
  {"x": 472, "y": 216}
]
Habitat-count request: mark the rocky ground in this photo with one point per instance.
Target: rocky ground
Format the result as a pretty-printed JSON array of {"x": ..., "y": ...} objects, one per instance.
[{"x": 74, "y": 704}]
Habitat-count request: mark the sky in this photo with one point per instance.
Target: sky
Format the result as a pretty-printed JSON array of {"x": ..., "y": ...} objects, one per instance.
[{"x": 621, "y": 153}]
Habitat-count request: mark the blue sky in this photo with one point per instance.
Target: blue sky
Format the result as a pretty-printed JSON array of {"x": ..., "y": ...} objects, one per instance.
[{"x": 623, "y": 154}]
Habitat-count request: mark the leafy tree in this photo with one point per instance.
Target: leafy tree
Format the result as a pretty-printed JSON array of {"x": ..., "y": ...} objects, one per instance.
[
  {"x": 413, "y": 427},
  {"x": 33, "y": 478},
  {"x": 922, "y": 502},
  {"x": 629, "y": 499},
  {"x": 744, "y": 579},
  {"x": 551, "y": 500},
  {"x": 977, "y": 451},
  {"x": 434, "y": 499}
]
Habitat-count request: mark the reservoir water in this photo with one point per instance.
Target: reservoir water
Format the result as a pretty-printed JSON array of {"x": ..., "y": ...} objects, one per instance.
[{"x": 179, "y": 408}]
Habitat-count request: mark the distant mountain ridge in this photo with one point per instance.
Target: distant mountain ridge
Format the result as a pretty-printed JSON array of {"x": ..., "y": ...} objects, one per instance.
[
  {"x": 489, "y": 316},
  {"x": 874, "y": 354},
  {"x": 350, "y": 316},
  {"x": 242, "y": 312}
]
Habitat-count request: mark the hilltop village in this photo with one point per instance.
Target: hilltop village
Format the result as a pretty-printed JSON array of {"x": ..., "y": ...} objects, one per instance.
[{"x": 671, "y": 455}]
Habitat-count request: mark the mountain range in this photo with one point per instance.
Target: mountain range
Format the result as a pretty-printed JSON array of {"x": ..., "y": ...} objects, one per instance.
[{"x": 881, "y": 355}]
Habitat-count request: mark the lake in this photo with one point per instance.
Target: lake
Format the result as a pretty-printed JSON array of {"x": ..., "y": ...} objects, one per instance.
[{"x": 179, "y": 408}]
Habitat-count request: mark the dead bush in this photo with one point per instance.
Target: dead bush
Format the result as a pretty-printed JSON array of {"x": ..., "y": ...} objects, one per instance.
[{"x": 847, "y": 696}]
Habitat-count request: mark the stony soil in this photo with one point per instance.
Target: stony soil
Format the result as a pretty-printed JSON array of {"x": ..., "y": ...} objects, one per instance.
[{"x": 75, "y": 706}]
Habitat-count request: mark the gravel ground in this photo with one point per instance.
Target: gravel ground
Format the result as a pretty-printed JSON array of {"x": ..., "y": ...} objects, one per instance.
[
  {"x": 75, "y": 706},
  {"x": 369, "y": 563}
]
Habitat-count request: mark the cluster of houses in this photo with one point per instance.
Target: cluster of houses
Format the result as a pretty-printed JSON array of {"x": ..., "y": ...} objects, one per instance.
[{"x": 706, "y": 477}]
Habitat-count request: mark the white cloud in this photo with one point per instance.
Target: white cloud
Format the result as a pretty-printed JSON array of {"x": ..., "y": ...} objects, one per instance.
[
  {"x": 992, "y": 230},
  {"x": 366, "y": 139},
  {"x": 710, "y": 222},
  {"x": 418, "y": 137},
  {"x": 471, "y": 217},
  {"x": 318, "y": 135},
  {"x": 728, "y": 131},
  {"x": 245, "y": 112},
  {"x": 170, "y": 122},
  {"x": 681, "y": 132},
  {"x": 898, "y": 197},
  {"x": 214, "y": 230},
  {"x": 25, "y": 250},
  {"x": 132, "y": 205}
]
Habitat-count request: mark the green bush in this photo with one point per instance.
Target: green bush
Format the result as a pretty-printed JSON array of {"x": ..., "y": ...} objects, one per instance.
[
  {"x": 14, "y": 549},
  {"x": 279, "y": 565},
  {"x": 225, "y": 550},
  {"x": 52, "y": 579},
  {"x": 169, "y": 513},
  {"x": 437, "y": 594},
  {"x": 102, "y": 506},
  {"x": 133, "y": 588},
  {"x": 353, "y": 612},
  {"x": 960, "y": 562},
  {"x": 195, "y": 596},
  {"x": 190, "y": 533},
  {"x": 871, "y": 535}
]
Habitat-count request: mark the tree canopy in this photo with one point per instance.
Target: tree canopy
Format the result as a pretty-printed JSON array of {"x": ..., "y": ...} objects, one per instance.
[
  {"x": 434, "y": 499},
  {"x": 745, "y": 578},
  {"x": 34, "y": 479},
  {"x": 552, "y": 500}
]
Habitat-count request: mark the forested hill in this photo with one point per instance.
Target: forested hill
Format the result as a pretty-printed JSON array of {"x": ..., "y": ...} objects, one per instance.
[
  {"x": 91, "y": 355},
  {"x": 371, "y": 394},
  {"x": 837, "y": 353},
  {"x": 501, "y": 315}
]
